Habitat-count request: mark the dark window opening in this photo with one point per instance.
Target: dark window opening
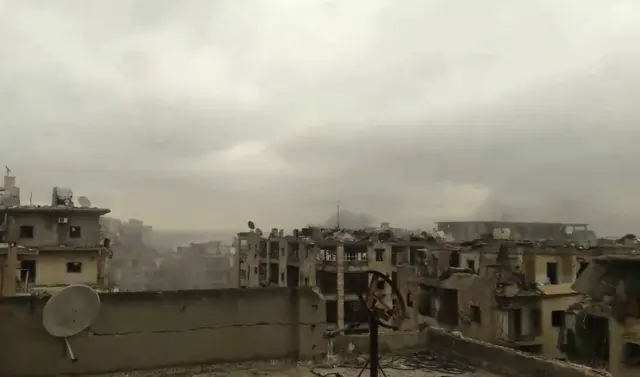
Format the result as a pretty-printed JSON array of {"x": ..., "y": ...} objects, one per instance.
[
  {"x": 355, "y": 282},
  {"x": 26, "y": 231},
  {"x": 454, "y": 259},
  {"x": 449, "y": 314},
  {"x": 274, "y": 270},
  {"x": 380, "y": 285},
  {"x": 631, "y": 354},
  {"x": 583, "y": 266},
  {"x": 536, "y": 322},
  {"x": 282, "y": 276},
  {"x": 75, "y": 232},
  {"x": 416, "y": 257},
  {"x": 293, "y": 276},
  {"x": 471, "y": 264},
  {"x": 515, "y": 324},
  {"x": 332, "y": 312},
  {"x": 74, "y": 267},
  {"x": 306, "y": 282},
  {"x": 557, "y": 318},
  {"x": 394, "y": 258},
  {"x": 379, "y": 255},
  {"x": 409, "y": 300},
  {"x": 552, "y": 272},
  {"x": 476, "y": 314},
  {"x": 28, "y": 270},
  {"x": 427, "y": 303},
  {"x": 327, "y": 282}
]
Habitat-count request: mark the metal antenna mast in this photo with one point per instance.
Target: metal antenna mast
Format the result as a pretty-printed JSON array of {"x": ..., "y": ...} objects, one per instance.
[{"x": 338, "y": 214}]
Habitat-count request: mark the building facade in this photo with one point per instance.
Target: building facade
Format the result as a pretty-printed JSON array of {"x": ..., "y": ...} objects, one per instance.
[
  {"x": 45, "y": 247},
  {"x": 336, "y": 262}
]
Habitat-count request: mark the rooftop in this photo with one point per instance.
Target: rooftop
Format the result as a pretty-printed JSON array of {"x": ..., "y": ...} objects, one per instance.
[{"x": 33, "y": 208}]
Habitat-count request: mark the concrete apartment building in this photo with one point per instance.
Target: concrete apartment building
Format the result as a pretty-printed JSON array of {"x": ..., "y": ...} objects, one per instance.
[
  {"x": 506, "y": 290},
  {"x": 334, "y": 261},
  {"x": 50, "y": 246}
]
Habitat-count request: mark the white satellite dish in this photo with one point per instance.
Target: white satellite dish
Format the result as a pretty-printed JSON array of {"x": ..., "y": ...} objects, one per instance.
[
  {"x": 84, "y": 202},
  {"x": 69, "y": 312}
]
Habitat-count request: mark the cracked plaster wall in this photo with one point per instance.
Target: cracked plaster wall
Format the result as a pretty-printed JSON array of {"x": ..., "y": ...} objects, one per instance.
[{"x": 148, "y": 330}]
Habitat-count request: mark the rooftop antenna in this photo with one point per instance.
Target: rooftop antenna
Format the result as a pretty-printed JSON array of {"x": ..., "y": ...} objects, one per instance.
[
  {"x": 8, "y": 171},
  {"x": 31, "y": 198},
  {"x": 338, "y": 215}
]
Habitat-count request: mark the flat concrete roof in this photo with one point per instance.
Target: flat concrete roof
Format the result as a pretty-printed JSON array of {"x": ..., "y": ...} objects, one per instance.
[{"x": 96, "y": 210}]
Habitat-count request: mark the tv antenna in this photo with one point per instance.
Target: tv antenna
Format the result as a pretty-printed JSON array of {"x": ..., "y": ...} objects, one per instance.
[
  {"x": 8, "y": 171},
  {"x": 69, "y": 312},
  {"x": 338, "y": 215}
]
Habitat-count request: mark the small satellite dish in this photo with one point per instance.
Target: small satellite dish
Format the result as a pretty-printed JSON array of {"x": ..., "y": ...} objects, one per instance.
[
  {"x": 84, "y": 202},
  {"x": 259, "y": 232},
  {"x": 69, "y": 312},
  {"x": 251, "y": 225}
]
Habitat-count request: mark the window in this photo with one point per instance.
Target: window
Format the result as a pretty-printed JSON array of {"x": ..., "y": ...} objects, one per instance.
[
  {"x": 476, "y": 313},
  {"x": 306, "y": 282},
  {"x": 28, "y": 270},
  {"x": 75, "y": 232},
  {"x": 471, "y": 264},
  {"x": 536, "y": 321},
  {"x": 631, "y": 354},
  {"x": 557, "y": 318},
  {"x": 409, "y": 300},
  {"x": 379, "y": 255},
  {"x": 74, "y": 267},
  {"x": 552, "y": 272},
  {"x": 26, "y": 231},
  {"x": 282, "y": 276}
]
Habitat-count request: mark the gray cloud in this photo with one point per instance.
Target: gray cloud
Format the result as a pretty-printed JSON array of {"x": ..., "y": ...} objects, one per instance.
[{"x": 211, "y": 113}]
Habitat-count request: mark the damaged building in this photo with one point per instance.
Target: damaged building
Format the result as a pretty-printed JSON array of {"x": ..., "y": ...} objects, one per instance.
[
  {"x": 603, "y": 329},
  {"x": 335, "y": 261},
  {"x": 49, "y": 246},
  {"x": 502, "y": 290}
]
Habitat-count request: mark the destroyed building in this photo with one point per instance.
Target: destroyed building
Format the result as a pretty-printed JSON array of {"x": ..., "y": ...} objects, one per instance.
[
  {"x": 49, "y": 246},
  {"x": 335, "y": 261},
  {"x": 603, "y": 329},
  {"x": 503, "y": 290}
]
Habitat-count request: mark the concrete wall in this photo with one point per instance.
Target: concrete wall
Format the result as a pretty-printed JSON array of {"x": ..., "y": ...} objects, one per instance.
[
  {"x": 502, "y": 360},
  {"x": 47, "y": 231},
  {"x": 51, "y": 267},
  {"x": 147, "y": 330}
]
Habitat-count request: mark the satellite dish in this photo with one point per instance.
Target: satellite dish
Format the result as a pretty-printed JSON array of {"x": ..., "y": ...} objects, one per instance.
[
  {"x": 69, "y": 312},
  {"x": 84, "y": 201},
  {"x": 251, "y": 225}
]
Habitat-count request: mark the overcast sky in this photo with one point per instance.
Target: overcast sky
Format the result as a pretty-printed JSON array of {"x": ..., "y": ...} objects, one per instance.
[{"x": 205, "y": 114}]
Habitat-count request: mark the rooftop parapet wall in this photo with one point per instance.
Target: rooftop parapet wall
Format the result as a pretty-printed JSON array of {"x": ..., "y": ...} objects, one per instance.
[
  {"x": 502, "y": 360},
  {"x": 150, "y": 330}
]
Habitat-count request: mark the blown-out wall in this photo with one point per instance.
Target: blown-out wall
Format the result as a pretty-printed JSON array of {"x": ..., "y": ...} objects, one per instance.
[{"x": 148, "y": 330}]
